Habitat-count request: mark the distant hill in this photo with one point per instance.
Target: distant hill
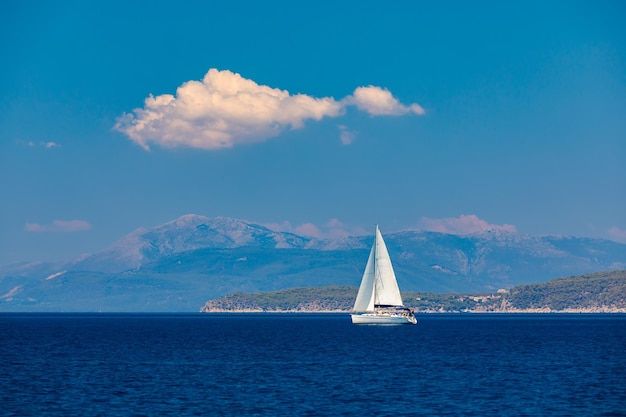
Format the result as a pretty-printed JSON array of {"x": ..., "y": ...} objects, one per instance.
[
  {"x": 178, "y": 265},
  {"x": 589, "y": 292},
  {"x": 332, "y": 298},
  {"x": 598, "y": 292}
]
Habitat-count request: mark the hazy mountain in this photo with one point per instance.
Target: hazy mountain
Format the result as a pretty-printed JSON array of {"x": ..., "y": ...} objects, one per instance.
[
  {"x": 177, "y": 266},
  {"x": 187, "y": 233}
]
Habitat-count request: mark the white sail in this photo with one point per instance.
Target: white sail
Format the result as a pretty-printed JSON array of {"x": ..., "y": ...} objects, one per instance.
[
  {"x": 378, "y": 285},
  {"x": 387, "y": 291},
  {"x": 365, "y": 297}
]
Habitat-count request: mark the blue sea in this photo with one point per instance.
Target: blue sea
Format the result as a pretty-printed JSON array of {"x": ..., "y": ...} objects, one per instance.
[{"x": 311, "y": 365}]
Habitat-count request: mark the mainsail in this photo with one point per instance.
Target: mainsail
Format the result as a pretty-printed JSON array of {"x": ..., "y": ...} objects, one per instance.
[{"x": 378, "y": 286}]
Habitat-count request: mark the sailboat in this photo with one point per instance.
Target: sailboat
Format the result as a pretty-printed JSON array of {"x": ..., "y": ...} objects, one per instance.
[{"x": 379, "y": 300}]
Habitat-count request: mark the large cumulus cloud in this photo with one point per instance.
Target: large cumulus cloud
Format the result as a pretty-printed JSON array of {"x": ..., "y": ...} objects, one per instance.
[{"x": 225, "y": 109}]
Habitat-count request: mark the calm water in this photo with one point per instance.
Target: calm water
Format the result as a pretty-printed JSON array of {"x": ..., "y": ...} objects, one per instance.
[{"x": 310, "y": 365}]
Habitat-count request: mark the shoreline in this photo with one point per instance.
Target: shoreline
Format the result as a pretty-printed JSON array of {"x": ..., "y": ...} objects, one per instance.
[{"x": 526, "y": 311}]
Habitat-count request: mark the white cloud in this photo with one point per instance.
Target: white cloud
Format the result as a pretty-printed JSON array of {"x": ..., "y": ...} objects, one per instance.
[
  {"x": 31, "y": 144},
  {"x": 345, "y": 135},
  {"x": 617, "y": 234},
  {"x": 333, "y": 228},
  {"x": 308, "y": 229},
  {"x": 379, "y": 102},
  {"x": 336, "y": 229},
  {"x": 305, "y": 229},
  {"x": 225, "y": 109},
  {"x": 462, "y": 225},
  {"x": 59, "y": 226}
]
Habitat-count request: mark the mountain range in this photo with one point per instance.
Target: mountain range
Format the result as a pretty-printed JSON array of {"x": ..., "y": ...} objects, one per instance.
[{"x": 179, "y": 265}]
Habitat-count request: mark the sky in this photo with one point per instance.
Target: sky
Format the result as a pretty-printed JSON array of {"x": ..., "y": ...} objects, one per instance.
[{"x": 320, "y": 118}]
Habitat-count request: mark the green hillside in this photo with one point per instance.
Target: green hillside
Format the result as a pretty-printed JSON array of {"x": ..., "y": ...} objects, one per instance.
[
  {"x": 597, "y": 292},
  {"x": 332, "y": 298},
  {"x": 589, "y": 291}
]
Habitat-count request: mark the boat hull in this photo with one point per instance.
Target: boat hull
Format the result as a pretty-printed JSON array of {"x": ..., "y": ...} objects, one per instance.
[{"x": 373, "y": 318}]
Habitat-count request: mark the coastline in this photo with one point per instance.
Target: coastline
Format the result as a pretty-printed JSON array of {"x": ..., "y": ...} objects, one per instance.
[{"x": 494, "y": 312}]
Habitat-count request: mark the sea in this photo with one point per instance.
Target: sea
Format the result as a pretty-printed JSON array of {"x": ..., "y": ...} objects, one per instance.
[{"x": 311, "y": 365}]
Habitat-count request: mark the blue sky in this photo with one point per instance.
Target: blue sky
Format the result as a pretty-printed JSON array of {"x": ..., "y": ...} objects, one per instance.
[{"x": 318, "y": 117}]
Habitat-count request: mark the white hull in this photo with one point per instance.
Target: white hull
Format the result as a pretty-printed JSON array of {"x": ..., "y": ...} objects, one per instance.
[{"x": 373, "y": 318}]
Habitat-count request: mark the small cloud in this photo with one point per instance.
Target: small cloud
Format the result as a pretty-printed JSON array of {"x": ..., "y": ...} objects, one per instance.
[
  {"x": 279, "y": 227},
  {"x": 305, "y": 229},
  {"x": 379, "y": 102},
  {"x": 336, "y": 229},
  {"x": 308, "y": 229},
  {"x": 31, "y": 144},
  {"x": 346, "y": 136},
  {"x": 462, "y": 225},
  {"x": 225, "y": 109},
  {"x": 331, "y": 229},
  {"x": 617, "y": 234},
  {"x": 59, "y": 226}
]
